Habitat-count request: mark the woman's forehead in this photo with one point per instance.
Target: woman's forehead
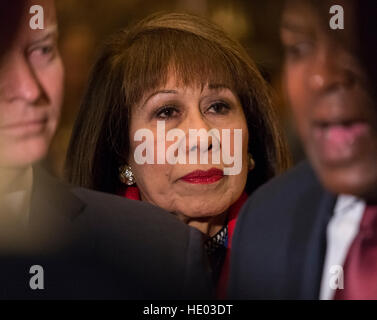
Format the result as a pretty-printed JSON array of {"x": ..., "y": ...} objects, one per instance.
[{"x": 175, "y": 81}]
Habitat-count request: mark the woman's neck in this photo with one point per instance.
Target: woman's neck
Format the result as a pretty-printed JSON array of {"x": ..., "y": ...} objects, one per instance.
[
  {"x": 207, "y": 225},
  {"x": 210, "y": 225}
]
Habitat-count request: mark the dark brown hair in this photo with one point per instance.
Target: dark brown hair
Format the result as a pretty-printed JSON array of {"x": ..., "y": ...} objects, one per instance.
[{"x": 138, "y": 60}]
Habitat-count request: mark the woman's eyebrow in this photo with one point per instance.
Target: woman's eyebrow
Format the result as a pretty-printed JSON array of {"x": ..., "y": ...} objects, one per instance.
[
  {"x": 218, "y": 86},
  {"x": 156, "y": 93}
]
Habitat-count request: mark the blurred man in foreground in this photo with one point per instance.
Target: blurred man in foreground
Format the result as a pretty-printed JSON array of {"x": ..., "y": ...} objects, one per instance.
[
  {"x": 312, "y": 233},
  {"x": 62, "y": 242}
]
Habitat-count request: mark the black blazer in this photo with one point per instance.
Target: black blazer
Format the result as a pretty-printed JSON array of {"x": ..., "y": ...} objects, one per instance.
[
  {"x": 279, "y": 242},
  {"x": 99, "y": 246}
]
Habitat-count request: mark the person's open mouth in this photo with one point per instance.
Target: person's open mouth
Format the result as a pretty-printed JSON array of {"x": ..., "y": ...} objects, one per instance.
[{"x": 339, "y": 142}]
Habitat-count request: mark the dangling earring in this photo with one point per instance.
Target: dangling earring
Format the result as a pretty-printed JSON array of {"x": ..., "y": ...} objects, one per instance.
[
  {"x": 251, "y": 162},
  {"x": 126, "y": 175}
]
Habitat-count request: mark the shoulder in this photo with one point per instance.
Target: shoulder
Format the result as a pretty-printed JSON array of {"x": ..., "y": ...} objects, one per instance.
[
  {"x": 108, "y": 206},
  {"x": 272, "y": 228},
  {"x": 300, "y": 178},
  {"x": 286, "y": 189},
  {"x": 109, "y": 222},
  {"x": 158, "y": 250},
  {"x": 142, "y": 250},
  {"x": 133, "y": 221},
  {"x": 96, "y": 208},
  {"x": 274, "y": 205},
  {"x": 278, "y": 209}
]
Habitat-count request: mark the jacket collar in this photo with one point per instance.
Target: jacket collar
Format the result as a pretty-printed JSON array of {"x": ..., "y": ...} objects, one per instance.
[{"x": 52, "y": 201}]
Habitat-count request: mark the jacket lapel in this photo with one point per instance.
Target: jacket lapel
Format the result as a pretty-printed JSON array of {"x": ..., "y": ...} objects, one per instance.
[{"x": 316, "y": 251}]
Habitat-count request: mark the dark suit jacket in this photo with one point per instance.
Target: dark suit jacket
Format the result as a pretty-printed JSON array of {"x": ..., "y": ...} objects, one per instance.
[
  {"x": 279, "y": 243},
  {"x": 96, "y": 245}
]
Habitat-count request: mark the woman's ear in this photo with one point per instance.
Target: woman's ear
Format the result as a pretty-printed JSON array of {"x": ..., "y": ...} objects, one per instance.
[{"x": 251, "y": 162}]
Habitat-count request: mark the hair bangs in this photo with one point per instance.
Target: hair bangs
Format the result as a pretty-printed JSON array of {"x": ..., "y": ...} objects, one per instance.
[{"x": 190, "y": 59}]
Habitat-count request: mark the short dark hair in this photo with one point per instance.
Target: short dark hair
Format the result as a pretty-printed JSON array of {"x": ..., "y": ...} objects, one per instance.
[{"x": 11, "y": 13}]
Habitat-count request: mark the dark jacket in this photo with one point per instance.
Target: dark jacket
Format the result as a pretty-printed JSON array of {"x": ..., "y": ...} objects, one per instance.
[
  {"x": 96, "y": 245},
  {"x": 279, "y": 243}
]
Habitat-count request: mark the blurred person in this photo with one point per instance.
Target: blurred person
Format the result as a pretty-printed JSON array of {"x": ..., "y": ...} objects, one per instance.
[
  {"x": 10, "y": 11},
  {"x": 185, "y": 72},
  {"x": 89, "y": 244},
  {"x": 311, "y": 233},
  {"x": 365, "y": 11}
]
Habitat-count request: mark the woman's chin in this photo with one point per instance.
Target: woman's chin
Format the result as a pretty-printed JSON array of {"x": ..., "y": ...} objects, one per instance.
[{"x": 193, "y": 211}]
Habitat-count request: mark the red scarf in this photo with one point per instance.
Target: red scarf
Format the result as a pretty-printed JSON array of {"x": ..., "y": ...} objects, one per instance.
[
  {"x": 133, "y": 194},
  {"x": 222, "y": 286}
]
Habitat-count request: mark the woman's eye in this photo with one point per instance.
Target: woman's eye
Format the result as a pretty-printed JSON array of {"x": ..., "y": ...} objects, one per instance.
[
  {"x": 219, "y": 108},
  {"x": 166, "y": 112}
]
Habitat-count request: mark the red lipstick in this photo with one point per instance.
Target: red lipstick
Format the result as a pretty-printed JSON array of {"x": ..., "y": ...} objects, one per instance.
[{"x": 204, "y": 177}]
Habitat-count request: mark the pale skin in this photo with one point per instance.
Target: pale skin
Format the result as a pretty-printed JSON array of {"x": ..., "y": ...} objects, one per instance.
[
  {"x": 31, "y": 90},
  {"x": 203, "y": 206}
]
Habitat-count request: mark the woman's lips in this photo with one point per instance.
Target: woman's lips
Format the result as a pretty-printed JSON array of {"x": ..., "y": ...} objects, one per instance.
[
  {"x": 340, "y": 143},
  {"x": 204, "y": 177}
]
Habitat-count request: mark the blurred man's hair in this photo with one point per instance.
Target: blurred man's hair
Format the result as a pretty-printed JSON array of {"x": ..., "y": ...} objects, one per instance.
[
  {"x": 367, "y": 22},
  {"x": 10, "y": 14}
]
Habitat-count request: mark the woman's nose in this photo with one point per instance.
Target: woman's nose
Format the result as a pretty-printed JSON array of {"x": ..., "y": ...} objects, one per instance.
[
  {"x": 197, "y": 133},
  {"x": 330, "y": 71}
]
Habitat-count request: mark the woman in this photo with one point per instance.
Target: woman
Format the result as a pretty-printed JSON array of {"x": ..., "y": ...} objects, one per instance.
[{"x": 183, "y": 72}]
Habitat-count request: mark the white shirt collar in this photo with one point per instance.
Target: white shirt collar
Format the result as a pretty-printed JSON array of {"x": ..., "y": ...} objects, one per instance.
[
  {"x": 345, "y": 204},
  {"x": 341, "y": 231}
]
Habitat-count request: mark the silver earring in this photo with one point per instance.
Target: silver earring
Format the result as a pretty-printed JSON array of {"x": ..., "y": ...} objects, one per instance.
[
  {"x": 251, "y": 162},
  {"x": 126, "y": 175}
]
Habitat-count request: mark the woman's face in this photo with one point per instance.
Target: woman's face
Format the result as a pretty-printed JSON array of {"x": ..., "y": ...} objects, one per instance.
[{"x": 192, "y": 190}]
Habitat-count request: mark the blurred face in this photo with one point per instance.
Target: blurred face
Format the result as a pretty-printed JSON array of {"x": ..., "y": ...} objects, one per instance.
[
  {"x": 31, "y": 86},
  {"x": 327, "y": 90},
  {"x": 190, "y": 190}
]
